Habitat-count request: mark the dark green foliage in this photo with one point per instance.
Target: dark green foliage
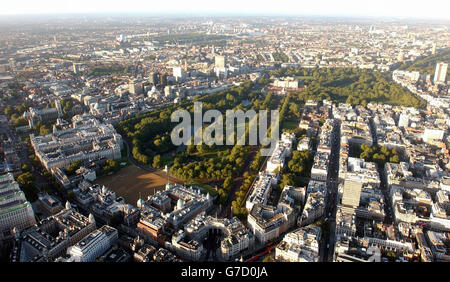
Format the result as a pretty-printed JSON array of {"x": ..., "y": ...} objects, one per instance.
[
  {"x": 300, "y": 162},
  {"x": 378, "y": 154},
  {"x": 427, "y": 65},
  {"x": 239, "y": 209},
  {"x": 107, "y": 70},
  {"x": 298, "y": 169},
  {"x": 280, "y": 57},
  {"x": 150, "y": 132},
  {"x": 70, "y": 170},
  {"x": 110, "y": 166},
  {"x": 214, "y": 165},
  {"x": 225, "y": 190},
  {"x": 157, "y": 161},
  {"x": 351, "y": 85},
  {"x": 26, "y": 181},
  {"x": 20, "y": 122}
]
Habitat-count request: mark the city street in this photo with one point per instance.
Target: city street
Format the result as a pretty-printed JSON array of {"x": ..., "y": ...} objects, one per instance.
[{"x": 327, "y": 246}]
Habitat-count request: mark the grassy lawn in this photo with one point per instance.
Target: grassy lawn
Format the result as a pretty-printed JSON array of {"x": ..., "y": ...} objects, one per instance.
[
  {"x": 290, "y": 125},
  {"x": 301, "y": 77},
  {"x": 212, "y": 154},
  {"x": 206, "y": 187}
]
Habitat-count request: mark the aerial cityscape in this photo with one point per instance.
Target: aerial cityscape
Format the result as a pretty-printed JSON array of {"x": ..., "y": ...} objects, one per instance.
[{"x": 357, "y": 168}]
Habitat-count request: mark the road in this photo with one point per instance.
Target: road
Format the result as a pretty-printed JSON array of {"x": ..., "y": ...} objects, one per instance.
[
  {"x": 328, "y": 237},
  {"x": 388, "y": 219},
  {"x": 22, "y": 152}
]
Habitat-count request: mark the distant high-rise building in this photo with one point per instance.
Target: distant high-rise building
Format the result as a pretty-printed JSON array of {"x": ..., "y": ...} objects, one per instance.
[
  {"x": 76, "y": 68},
  {"x": 433, "y": 49},
  {"x": 153, "y": 78},
  {"x": 58, "y": 108},
  {"x": 12, "y": 63},
  {"x": 352, "y": 193},
  {"x": 179, "y": 73},
  {"x": 220, "y": 62},
  {"x": 403, "y": 120},
  {"x": 220, "y": 67},
  {"x": 121, "y": 38},
  {"x": 135, "y": 88},
  {"x": 163, "y": 79},
  {"x": 431, "y": 135},
  {"x": 440, "y": 73}
]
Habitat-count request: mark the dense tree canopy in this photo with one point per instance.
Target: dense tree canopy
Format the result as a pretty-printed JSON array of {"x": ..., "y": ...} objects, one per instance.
[
  {"x": 427, "y": 65},
  {"x": 350, "y": 85},
  {"x": 110, "y": 166},
  {"x": 26, "y": 181},
  {"x": 70, "y": 170},
  {"x": 378, "y": 154},
  {"x": 149, "y": 134}
]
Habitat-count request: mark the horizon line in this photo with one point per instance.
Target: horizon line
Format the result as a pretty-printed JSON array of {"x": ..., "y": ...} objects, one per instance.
[{"x": 197, "y": 14}]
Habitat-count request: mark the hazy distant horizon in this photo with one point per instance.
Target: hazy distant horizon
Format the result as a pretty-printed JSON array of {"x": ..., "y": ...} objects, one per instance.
[
  {"x": 218, "y": 14},
  {"x": 403, "y": 9}
]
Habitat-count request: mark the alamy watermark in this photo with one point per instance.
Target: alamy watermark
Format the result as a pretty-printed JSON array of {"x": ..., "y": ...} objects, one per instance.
[{"x": 213, "y": 134}]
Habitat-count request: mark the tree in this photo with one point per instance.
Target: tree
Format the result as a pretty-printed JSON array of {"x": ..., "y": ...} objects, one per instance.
[
  {"x": 378, "y": 154},
  {"x": 223, "y": 196},
  {"x": 190, "y": 149},
  {"x": 20, "y": 122},
  {"x": 300, "y": 161},
  {"x": 43, "y": 130},
  {"x": 202, "y": 148},
  {"x": 365, "y": 155},
  {"x": 25, "y": 168},
  {"x": 394, "y": 159},
  {"x": 14, "y": 116},
  {"x": 25, "y": 179},
  {"x": 9, "y": 110},
  {"x": 70, "y": 170},
  {"x": 67, "y": 105},
  {"x": 268, "y": 258},
  {"x": 110, "y": 165},
  {"x": 21, "y": 108},
  {"x": 157, "y": 161},
  {"x": 228, "y": 183},
  {"x": 294, "y": 108},
  {"x": 380, "y": 159},
  {"x": 287, "y": 180},
  {"x": 385, "y": 151}
]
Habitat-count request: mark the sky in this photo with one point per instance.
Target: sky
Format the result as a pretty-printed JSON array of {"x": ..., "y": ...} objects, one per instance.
[{"x": 432, "y": 9}]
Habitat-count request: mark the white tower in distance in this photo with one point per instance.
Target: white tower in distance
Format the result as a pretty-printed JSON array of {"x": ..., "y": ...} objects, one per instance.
[
  {"x": 440, "y": 73},
  {"x": 58, "y": 107}
]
